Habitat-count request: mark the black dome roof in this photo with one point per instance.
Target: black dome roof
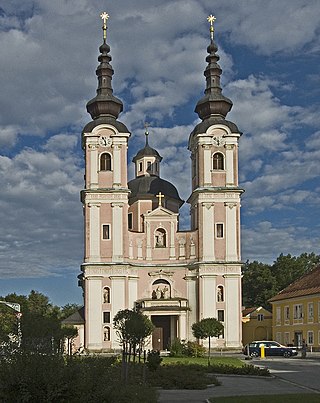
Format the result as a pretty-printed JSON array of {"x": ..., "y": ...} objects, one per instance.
[
  {"x": 145, "y": 187},
  {"x": 147, "y": 151}
]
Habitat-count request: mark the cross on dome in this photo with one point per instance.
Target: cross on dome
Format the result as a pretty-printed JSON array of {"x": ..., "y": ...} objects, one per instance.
[
  {"x": 211, "y": 19},
  {"x": 160, "y": 196},
  {"x": 104, "y": 16}
]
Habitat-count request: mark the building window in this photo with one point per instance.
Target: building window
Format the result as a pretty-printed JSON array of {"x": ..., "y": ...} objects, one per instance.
[
  {"x": 278, "y": 315},
  {"x": 220, "y": 315},
  {"x": 106, "y": 333},
  {"x": 105, "y": 162},
  {"x": 149, "y": 166},
  {"x": 310, "y": 337},
  {"x": 130, "y": 220},
  {"x": 260, "y": 317},
  {"x": 220, "y": 293},
  {"x": 310, "y": 311},
  {"x": 286, "y": 313},
  {"x": 194, "y": 164},
  {"x": 297, "y": 311},
  {"x": 106, "y": 231},
  {"x": 106, "y": 317},
  {"x": 219, "y": 230},
  {"x": 106, "y": 295},
  {"x": 217, "y": 161},
  {"x": 160, "y": 238},
  {"x": 318, "y": 336},
  {"x": 278, "y": 337},
  {"x": 140, "y": 166}
]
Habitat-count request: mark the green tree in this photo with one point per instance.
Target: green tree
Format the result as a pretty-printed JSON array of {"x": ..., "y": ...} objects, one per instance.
[
  {"x": 207, "y": 328},
  {"x": 132, "y": 328},
  {"x": 258, "y": 284},
  {"x": 286, "y": 269}
]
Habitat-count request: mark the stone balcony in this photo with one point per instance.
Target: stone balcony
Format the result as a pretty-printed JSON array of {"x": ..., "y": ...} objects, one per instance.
[{"x": 165, "y": 305}]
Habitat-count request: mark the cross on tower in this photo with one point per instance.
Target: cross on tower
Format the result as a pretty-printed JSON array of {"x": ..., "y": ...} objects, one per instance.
[
  {"x": 160, "y": 196},
  {"x": 104, "y": 16},
  {"x": 211, "y": 19}
]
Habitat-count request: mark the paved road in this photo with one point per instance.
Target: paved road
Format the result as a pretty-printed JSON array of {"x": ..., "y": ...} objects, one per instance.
[
  {"x": 293, "y": 375},
  {"x": 302, "y": 372}
]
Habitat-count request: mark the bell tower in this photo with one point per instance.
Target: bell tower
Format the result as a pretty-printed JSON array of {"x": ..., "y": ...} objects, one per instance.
[
  {"x": 104, "y": 197},
  {"x": 215, "y": 199}
]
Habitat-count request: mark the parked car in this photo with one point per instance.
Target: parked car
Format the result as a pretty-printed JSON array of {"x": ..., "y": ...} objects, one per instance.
[{"x": 271, "y": 348}]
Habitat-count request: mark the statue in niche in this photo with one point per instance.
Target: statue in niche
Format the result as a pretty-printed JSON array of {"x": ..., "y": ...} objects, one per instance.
[
  {"x": 158, "y": 293},
  {"x": 106, "y": 334},
  {"x": 165, "y": 292},
  {"x": 106, "y": 295},
  {"x": 220, "y": 294},
  {"x": 160, "y": 238}
]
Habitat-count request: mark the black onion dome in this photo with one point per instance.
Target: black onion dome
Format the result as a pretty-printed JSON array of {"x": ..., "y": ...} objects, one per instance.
[
  {"x": 147, "y": 187},
  {"x": 147, "y": 151},
  {"x": 213, "y": 102},
  {"x": 104, "y": 103}
]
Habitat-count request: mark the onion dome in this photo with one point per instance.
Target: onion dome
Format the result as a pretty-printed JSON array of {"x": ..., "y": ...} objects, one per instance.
[
  {"x": 104, "y": 103},
  {"x": 213, "y": 103},
  {"x": 147, "y": 151}
]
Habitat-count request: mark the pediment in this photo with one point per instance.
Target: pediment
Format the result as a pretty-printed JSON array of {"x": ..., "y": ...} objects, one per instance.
[{"x": 161, "y": 212}]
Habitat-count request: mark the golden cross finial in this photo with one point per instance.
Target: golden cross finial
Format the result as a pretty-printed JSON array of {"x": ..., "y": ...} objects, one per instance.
[
  {"x": 211, "y": 19},
  {"x": 160, "y": 196},
  {"x": 104, "y": 16}
]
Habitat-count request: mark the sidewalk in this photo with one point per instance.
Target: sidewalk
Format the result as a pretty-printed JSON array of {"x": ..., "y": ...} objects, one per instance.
[{"x": 233, "y": 385}]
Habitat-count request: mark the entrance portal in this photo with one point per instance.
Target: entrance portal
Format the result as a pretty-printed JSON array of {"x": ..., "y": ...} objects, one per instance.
[{"x": 161, "y": 333}]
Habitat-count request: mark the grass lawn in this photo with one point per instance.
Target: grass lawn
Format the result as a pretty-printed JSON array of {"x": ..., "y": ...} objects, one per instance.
[
  {"x": 234, "y": 362},
  {"x": 290, "y": 398}
]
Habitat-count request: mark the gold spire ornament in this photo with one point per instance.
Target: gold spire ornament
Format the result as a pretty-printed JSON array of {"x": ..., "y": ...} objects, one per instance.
[
  {"x": 104, "y": 16},
  {"x": 211, "y": 19}
]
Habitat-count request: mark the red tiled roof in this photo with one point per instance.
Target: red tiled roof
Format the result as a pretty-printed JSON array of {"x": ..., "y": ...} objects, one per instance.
[{"x": 308, "y": 284}]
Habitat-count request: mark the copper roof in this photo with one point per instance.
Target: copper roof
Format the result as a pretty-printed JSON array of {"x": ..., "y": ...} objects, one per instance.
[{"x": 308, "y": 284}]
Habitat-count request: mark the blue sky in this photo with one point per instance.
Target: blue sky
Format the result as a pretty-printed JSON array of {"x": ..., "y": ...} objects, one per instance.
[{"x": 269, "y": 54}]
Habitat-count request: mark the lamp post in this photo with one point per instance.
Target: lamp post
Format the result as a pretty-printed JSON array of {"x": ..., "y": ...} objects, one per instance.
[{"x": 16, "y": 307}]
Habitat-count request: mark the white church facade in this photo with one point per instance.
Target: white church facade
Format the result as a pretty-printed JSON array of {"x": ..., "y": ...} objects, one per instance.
[{"x": 135, "y": 254}]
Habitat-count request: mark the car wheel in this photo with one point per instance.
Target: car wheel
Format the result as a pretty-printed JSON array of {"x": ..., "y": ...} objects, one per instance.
[
  {"x": 287, "y": 354},
  {"x": 254, "y": 354}
]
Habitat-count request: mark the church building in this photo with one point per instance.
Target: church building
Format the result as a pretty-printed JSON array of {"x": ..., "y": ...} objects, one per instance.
[{"x": 135, "y": 255}]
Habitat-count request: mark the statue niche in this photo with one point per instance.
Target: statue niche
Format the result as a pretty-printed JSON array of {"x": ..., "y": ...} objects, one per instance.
[
  {"x": 161, "y": 289},
  {"x": 160, "y": 240}
]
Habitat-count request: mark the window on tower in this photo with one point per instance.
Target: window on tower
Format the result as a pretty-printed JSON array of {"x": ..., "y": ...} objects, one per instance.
[
  {"x": 219, "y": 230},
  {"x": 106, "y": 231},
  {"x": 106, "y": 317},
  {"x": 149, "y": 166},
  {"x": 218, "y": 161},
  {"x": 105, "y": 162},
  {"x": 130, "y": 221}
]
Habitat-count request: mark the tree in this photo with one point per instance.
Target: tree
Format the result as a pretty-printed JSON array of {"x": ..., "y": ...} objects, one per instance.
[
  {"x": 258, "y": 284},
  {"x": 207, "y": 328},
  {"x": 132, "y": 328}
]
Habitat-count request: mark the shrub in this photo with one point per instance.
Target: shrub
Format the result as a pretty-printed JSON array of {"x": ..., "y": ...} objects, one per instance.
[
  {"x": 194, "y": 349},
  {"x": 153, "y": 360},
  {"x": 177, "y": 348},
  {"x": 244, "y": 370}
]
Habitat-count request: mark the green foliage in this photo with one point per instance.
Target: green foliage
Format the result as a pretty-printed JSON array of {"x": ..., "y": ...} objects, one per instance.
[
  {"x": 153, "y": 360},
  {"x": 177, "y": 348},
  {"x": 206, "y": 328},
  {"x": 186, "y": 349},
  {"x": 243, "y": 370},
  {"x": 40, "y": 378},
  {"x": 262, "y": 281},
  {"x": 181, "y": 376},
  {"x": 194, "y": 349},
  {"x": 132, "y": 328},
  {"x": 40, "y": 323}
]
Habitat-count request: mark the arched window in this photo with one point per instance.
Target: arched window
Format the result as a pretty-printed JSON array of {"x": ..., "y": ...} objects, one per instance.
[
  {"x": 106, "y": 333},
  {"x": 217, "y": 161},
  {"x": 105, "y": 162},
  {"x": 160, "y": 238},
  {"x": 161, "y": 289},
  {"x": 220, "y": 293},
  {"x": 106, "y": 295}
]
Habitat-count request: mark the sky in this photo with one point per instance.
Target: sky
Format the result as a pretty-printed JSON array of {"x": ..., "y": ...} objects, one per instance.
[{"x": 269, "y": 53}]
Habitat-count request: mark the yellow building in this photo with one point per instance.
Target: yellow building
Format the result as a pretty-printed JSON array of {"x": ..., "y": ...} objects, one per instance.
[
  {"x": 296, "y": 312},
  {"x": 256, "y": 325}
]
